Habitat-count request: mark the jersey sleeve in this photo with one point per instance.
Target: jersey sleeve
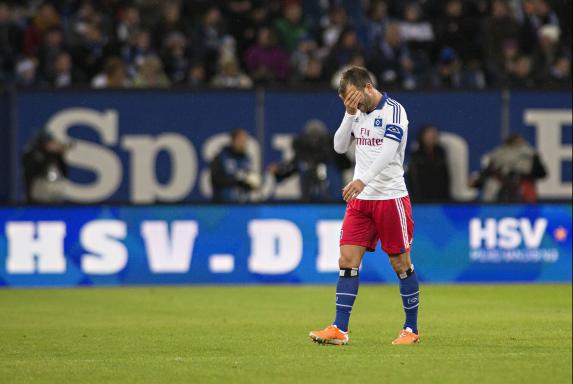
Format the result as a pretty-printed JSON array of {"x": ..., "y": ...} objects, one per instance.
[
  {"x": 343, "y": 135},
  {"x": 397, "y": 123}
]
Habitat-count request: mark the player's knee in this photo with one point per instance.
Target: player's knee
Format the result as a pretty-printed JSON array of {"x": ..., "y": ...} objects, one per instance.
[
  {"x": 399, "y": 265},
  {"x": 347, "y": 261},
  {"x": 343, "y": 262}
]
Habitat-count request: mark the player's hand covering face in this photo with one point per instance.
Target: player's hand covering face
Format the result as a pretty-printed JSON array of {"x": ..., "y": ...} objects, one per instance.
[{"x": 352, "y": 100}]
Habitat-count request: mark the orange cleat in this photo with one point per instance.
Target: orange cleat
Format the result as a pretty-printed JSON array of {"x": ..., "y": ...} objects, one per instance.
[
  {"x": 329, "y": 335},
  {"x": 406, "y": 337}
]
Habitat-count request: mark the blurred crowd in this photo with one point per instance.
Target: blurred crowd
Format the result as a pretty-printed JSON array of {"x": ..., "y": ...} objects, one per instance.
[{"x": 241, "y": 43}]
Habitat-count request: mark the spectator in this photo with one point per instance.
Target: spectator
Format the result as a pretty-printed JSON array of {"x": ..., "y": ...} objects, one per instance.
[
  {"x": 64, "y": 73},
  {"x": 332, "y": 27},
  {"x": 391, "y": 60},
  {"x": 414, "y": 30},
  {"x": 300, "y": 57},
  {"x": 448, "y": 72},
  {"x": 258, "y": 18},
  {"x": 137, "y": 49},
  {"x": 428, "y": 173},
  {"x": 501, "y": 31},
  {"x": 560, "y": 71},
  {"x": 209, "y": 35},
  {"x": 418, "y": 35},
  {"x": 232, "y": 175},
  {"x": 238, "y": 13},
  {"x": 314, "y": 10},
  {"x": 266, "y": 61},
  {"x": 91, "y": 54},
  {"x": 473, "y": 75},
  {"x": 227, "y": 49},
  {"x": 307, "y": 65},
  {"x": 114, "y": 75},
  {"x": 129, "y": 22},
  {"x": 563, "y": 11},
  {"x": 347, "y": 47},
  {"x": 457, "y": 30},
  {"x": 498, "y": 72},
  {"x": 86, "y": 17},
  {"x": 10, "y": 42},
  {"x": 375, "y": 24},
  {"x": 539, "y": 14},
  {"x": 170, "y": 22},
  {"x": 45, "y": 18},
  {"x": 26, "y": 73},
  {"x": 315, "y": 161},
  {"x": 313, "y": 72},
  {"x": 510, "y": 172},
  {"x": 549, "y": 50},
  {"x": 230, "y": 76},
  {"x": 175, "y": 57},
  {"x": 151, "y": 74},
  {"x": 53, "y": 44},
  {"x": 293, "y": 26},
  {"x": 520, "y": 74},
  {"x": 44, "y": 170},
  {"x": 197, "y": 76}
]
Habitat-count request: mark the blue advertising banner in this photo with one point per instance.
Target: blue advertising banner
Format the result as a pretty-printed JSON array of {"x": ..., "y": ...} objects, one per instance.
[
  {"x": 73, "y": 246},
  {"x": 135, "y": 146},
  {"x": 155, "y": 146}
]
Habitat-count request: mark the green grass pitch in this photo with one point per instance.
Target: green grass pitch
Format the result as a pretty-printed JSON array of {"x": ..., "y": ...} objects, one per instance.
[{"x": 259, "y": 334}]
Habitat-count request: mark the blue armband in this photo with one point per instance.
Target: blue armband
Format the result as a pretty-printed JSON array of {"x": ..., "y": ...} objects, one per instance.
[{"x": 394, "y": 132}]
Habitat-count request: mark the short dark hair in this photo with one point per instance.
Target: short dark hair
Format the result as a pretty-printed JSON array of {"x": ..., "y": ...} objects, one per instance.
[{"x": 356, "y": 76}]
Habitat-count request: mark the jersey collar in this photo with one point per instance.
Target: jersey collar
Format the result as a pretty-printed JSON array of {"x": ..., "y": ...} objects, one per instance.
[{"x": 382, "y": 102}]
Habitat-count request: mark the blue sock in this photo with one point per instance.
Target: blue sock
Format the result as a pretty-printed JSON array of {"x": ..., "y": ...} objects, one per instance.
[
  {"x": 410, "y": 292},
  {"x": 346, "y": 291}
]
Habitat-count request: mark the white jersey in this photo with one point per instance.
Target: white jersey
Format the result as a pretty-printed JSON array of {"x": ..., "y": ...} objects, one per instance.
[{"x": 371, "y": 131}]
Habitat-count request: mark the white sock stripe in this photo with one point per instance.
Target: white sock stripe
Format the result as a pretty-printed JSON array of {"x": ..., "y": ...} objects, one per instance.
[
  {"x": 345, "y": 294},
  {"x": 413, "y": 306},
  {"x": 402, "y": 217},
  {"x": 411, "y": 294},
  {"x": 344, "y": 305}
]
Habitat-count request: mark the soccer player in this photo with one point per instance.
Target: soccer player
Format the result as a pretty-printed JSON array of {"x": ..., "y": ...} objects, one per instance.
[{"x": 378, "y": 206}]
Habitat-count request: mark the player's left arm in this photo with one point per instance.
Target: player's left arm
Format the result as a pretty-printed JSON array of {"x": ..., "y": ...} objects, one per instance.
[{"x": 392, "y": 139}]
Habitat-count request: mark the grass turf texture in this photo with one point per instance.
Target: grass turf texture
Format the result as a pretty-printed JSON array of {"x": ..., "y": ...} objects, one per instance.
[{"x": 470, "y": 334}]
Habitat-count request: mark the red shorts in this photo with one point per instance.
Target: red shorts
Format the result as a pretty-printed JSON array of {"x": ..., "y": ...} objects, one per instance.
[{"x": 366, "y": 221}]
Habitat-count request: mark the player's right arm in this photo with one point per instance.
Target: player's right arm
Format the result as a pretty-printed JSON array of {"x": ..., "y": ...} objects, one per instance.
[{"x": 343, "y": 135}]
